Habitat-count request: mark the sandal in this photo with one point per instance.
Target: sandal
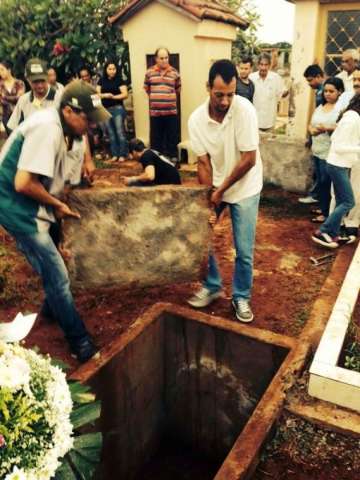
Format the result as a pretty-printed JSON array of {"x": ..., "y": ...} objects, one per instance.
[
  {"x": 316, "y": 211},
  {"x": 319, "y": 219}
]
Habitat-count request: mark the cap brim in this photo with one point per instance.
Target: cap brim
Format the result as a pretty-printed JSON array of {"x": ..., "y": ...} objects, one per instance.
[
  {"x": 99, "y": 115},
  {"x": 34, "y": 78}
]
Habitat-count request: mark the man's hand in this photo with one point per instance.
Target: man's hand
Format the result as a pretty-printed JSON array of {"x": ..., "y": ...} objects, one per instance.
[
  {"x": 63, "y": 210},
  {"x": 88, "y": 170},
  {"x": 216, "y": 197}
]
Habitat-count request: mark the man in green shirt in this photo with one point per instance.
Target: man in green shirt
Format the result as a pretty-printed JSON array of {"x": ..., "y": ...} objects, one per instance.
[{"x": 34, "y": 165}]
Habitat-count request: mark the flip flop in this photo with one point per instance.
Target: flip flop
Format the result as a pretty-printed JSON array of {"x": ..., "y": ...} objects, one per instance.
[{"x": 319, "y": 219}]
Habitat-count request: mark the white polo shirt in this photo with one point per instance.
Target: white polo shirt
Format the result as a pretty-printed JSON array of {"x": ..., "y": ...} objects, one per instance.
[
  {"x": 267, "y": 94},
  {"x": 224, "y": 143},
  {"x": 347, "y": 79}
]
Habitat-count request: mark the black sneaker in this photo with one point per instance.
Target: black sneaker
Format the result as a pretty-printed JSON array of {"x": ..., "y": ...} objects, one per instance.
[
  {"x": 352, "y": 231},
  {"x": 84, "y": 350},
  {"x": 345, "y": 239},
  {"x": 324, "y": 240}
]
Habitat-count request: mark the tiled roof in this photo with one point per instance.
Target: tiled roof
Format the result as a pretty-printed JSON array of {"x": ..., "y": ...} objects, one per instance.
[{"x": 199, "y": 9}]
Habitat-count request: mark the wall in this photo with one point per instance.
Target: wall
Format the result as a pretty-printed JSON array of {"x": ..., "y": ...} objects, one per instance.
[
  {"x": 198, "y": 44},
  {"x": 304, "y": 52}
]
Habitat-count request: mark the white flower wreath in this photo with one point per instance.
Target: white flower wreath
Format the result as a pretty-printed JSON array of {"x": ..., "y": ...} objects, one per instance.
[{"x": 40, "y": 418}]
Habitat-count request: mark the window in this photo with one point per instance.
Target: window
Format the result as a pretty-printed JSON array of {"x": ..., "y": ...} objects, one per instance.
[{"x": 343, "y": 33}]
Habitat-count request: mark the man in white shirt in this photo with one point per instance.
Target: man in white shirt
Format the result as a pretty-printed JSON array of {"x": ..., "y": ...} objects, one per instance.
[
  {"x": 224, "y": 135},
  {"x": 40, "y": 96},
  {"x": 349, "y": 63},
  {"x": 269, "y": 88}
]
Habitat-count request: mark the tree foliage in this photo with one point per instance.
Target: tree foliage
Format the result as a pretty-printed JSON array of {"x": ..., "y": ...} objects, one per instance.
[
  {"x": 66, "y": 33},
  {"x": 246, "y": 43}
]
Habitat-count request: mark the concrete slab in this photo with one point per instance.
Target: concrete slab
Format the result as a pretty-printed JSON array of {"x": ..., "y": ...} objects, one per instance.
[
  {"x": 138, "y": 236},
  {"x": 327, "y": 380},
  {"x": 325, "y": 414},
  {"x": 286, "y": 161}
]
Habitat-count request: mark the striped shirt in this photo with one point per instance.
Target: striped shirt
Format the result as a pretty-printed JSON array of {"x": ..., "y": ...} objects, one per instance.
[{"x": 162, "y": 87}]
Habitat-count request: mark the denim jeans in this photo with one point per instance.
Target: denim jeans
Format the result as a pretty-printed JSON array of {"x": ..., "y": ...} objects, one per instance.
[
  {"x": 344, "y": 197},
  {"x": 243, "y": 218},
  {"x": 116, "y": 130},
  {"x": 41, "y": 253},
  {"x": 323, "y": 185}
]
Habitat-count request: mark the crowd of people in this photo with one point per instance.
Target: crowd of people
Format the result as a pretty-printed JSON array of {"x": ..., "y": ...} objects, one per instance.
[{"x": 51, "y": 131}]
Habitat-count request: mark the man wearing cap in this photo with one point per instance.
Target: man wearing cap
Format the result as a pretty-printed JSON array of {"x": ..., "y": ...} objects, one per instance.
[
  {"x": 33, "y": 168},
  {"x": 41, "y": 95}
]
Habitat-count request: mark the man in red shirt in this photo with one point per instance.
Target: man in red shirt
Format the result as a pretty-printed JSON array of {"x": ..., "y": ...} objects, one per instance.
[{"x": 162, "y": 84}]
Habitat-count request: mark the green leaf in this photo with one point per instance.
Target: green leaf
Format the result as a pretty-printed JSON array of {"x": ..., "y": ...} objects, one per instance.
[
  {"x": 88, "y": 440},
  {"x": 85, "y": 414},
  {"x": 64, "y": 472},
  {"x": 84, "y": 468}
]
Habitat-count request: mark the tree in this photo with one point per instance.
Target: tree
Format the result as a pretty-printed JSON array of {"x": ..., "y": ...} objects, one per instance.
[
  {"x": 66, "y": 33},
  {"x": 246, "y": 41}
]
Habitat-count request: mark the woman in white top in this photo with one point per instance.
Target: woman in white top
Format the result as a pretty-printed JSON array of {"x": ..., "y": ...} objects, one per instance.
[
  {"x": 344, "y": 153},
  {"x": 322, "y": 125}
]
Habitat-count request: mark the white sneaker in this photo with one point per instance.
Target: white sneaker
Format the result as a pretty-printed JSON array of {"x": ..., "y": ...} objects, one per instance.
[
  {"x": 309, "y": 199},
  {"x": 203, "y": 298},
  {"x": 243, "y": 311}
]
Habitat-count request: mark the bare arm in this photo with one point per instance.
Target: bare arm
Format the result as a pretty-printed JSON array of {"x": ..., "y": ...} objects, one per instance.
[
  {"x": 28, "y": 184},
  {"x": 123, "y": 93},
  {"x": 88, "y": 167},
  {"x": 147, "y": 176},
  {"x": 205, "y": 170}
]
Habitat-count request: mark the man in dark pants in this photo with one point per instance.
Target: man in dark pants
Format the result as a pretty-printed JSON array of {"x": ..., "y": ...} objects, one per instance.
[
  {"x": 158, "y": 170},
  {"x": 162, "y": 84},
  {"x": 33, "y": 170}
]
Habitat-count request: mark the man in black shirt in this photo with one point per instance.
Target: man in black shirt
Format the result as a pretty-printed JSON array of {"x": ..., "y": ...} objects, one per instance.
[
  {"x": 158, "y": 170},
  {"x": 244, "y": 86}
]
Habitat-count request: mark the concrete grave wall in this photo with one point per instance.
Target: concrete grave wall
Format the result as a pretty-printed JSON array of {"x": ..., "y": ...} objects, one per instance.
[
  {"x": 137, "y": 236},
  {"x": 189, "y": 374},
  {"x": 287, "y": 162}
]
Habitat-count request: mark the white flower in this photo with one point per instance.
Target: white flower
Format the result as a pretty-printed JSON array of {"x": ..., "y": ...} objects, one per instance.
[
  {"x": 14, "y": 372},
  {"x": 16, "y": 474}
]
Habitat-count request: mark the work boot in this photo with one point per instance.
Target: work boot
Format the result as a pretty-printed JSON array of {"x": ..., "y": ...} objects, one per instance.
[{"x": 84, "y": 350}]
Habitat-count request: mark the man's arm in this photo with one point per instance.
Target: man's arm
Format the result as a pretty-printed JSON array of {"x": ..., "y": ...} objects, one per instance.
[
  {"x": 28, "y": 184},
  {"x": 247, "y": 161},
  {"x": 88, "y": 167},
  {"x": 205, "y": 170}
]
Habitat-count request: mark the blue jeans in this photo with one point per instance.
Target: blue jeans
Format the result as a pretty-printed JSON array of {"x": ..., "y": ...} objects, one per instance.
[
  {"x": 344, "y": 196},
  {"x": 41, "y": 253},
  {"x": 243, "y": 218},
  {"x": 115, "y": 126},
  {"x": 323, "y": 185}
]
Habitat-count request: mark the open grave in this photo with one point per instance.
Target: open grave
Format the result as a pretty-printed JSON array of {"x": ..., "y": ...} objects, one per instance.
[{"x": 178, "y": 389}]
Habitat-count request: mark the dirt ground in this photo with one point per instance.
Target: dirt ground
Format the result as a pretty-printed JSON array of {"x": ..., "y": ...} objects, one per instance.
[
  {"x": 285, "y": 286},
  {"x": 285, "y": 282}
]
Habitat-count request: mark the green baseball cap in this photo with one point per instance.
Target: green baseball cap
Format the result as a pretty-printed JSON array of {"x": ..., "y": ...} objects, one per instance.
[
  {"x": 36, "y": 69},
  {"x": 83, "y": 97}
]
